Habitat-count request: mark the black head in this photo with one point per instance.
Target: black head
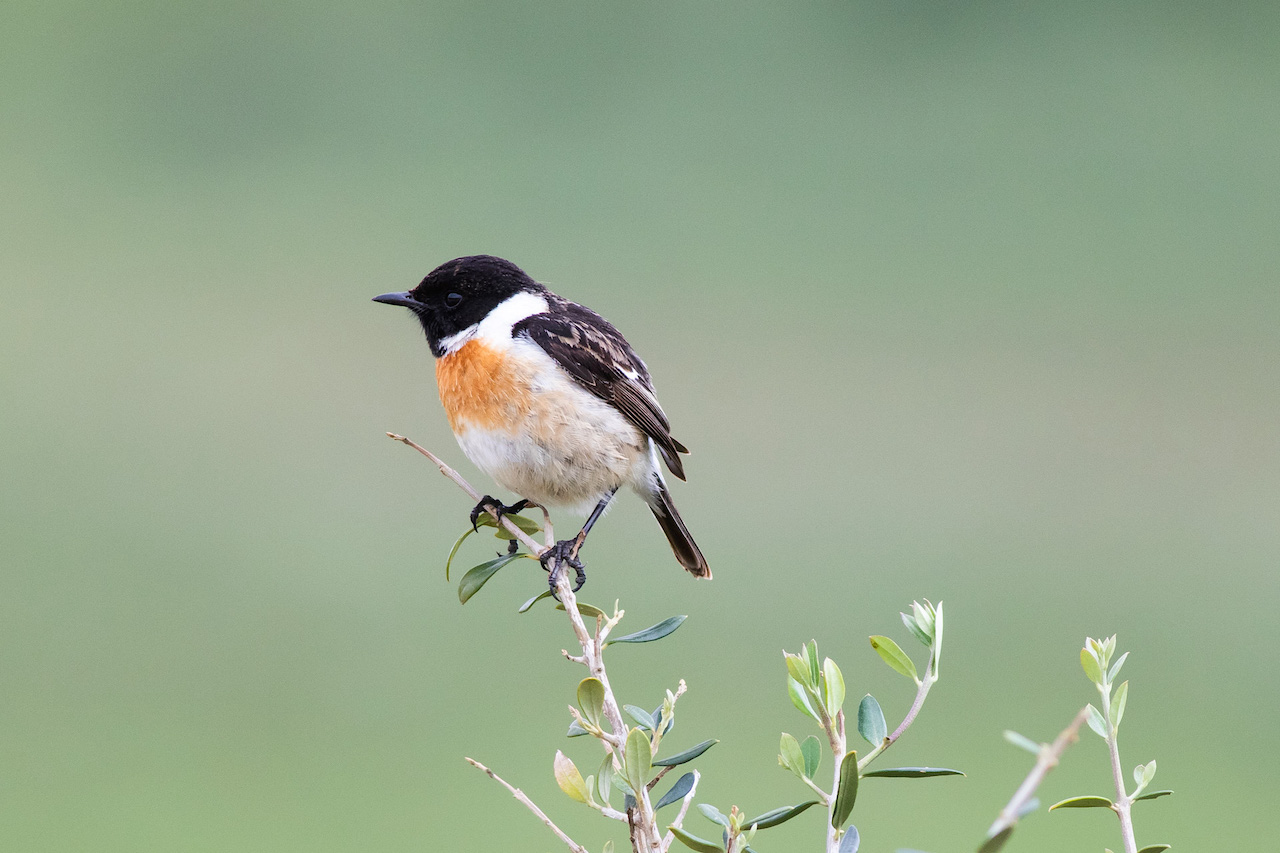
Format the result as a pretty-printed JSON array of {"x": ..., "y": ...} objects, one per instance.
[{"x": 460, "y": 293}]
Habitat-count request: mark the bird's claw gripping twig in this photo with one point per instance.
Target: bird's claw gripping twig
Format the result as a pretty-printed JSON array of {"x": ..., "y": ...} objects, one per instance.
[
  {"x": 489, "y": 502},
  {"x": 563, "y": 553}
]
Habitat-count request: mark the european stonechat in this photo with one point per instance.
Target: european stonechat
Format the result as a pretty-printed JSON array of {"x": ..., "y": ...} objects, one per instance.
[{"x": 547, "y": 398}]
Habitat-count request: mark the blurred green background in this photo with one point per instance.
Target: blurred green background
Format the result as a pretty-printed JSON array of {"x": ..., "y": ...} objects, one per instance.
[{"x": 972, "y": 301}]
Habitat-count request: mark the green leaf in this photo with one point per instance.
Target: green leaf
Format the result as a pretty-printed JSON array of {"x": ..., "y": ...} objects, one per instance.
[
  {"x": 871, "y": 724},
  {"x": 453, "y": 551},
  {"x": 1154, "y": 848},
  {"x": 923, "y": 617},
  {"x": 847, "y": 792},
  {"x": 686, "y": 756},
  {"x": 814, "y": 673},
  {"x": 1117, "y": 704},
  {"x": 638, "y": 759},
  {"x": 912, "y": 772},
  {"x": 653, "y": 632},
  {"x": 1152, "y": 795},
  {"x": 524, "y": 608},
  {"x": 1022, "y": 741},
  {"x": 641, "y": 716},
  {"x": 693, "y": 842},
  {"x": 812, "y": 751},
  {"x": 1097, "y": 723},
  {"x": 937, "y": 639},
  {"x": 588, "y": 611},
  {"x": 790, "y": 756},
  {"x": 1089, "y": 662},
  {"x": 527, "y": 525},
  {"x": 713, "y": 814},
  {"x": 569, "y": 779},
  {"x": 575, "y": 730},
  {"x": 914, "y": 628},
  {"x": 894, "y": 656},
  {"x": 604, "y": 778},
  {"x": 849, "y": 841},
  {"x": 834, "y": 693},
  {"x": 591, "y": 700},
  {"x": 677, "y": 793},
  {"x": 997, "y": 841},
  {"x": 1115, "y": 667},
  {"x": 1082, "y": 803},
  {"x": 479, "y": 576},
  {"x": 800, "y": 699},
  {"x": 797, "y": 668},
  {"x": 777, "y": 816}
]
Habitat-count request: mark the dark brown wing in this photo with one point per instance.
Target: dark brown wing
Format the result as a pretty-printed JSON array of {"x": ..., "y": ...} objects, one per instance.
[{"x": 595, "y": 354}]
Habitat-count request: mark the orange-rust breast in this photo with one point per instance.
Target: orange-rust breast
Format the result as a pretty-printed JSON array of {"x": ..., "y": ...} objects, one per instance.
[{"x": 479, "y": 389}]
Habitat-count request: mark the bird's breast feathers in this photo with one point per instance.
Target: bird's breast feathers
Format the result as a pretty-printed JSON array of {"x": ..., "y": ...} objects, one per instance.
[{"x": 525, "y": 422}]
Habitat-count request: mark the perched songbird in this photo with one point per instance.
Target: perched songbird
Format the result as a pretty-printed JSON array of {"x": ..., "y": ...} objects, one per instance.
[{"x": 548, "y": 399}]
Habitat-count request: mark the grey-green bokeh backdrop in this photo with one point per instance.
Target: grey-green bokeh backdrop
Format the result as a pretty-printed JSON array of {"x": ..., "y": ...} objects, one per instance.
[{"x": 967, "y": 300}]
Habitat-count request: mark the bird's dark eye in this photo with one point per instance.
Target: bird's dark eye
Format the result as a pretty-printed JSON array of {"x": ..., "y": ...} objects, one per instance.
[{"x": 453, "y": 300}]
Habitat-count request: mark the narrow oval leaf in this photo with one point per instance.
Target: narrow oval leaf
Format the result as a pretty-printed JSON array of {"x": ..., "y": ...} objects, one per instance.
[
  {"x": 777, "y": 816},
  {"x": 653, "y": 632},
  {"x": 834, "y": 683},
  {"x": 478, "y": 576},
  {"x": 713, "y": 814},
  {"x": 454, "y": 550},
  {"x": 588, "y": 611},
  {"x": 678, "y": 791},
  {"x": 524, "y": 608},
  {"x": 799, "y": 699},
  {"x": 1082, "y": 803},
  {"x": 1117, "y": 704},
  {"x": 1089, "y": 663},
  {"x": 812, "y": 650},
  {"x": 687, "y": 755},
  {"x": 1097, "y": 722},
  {"x": 912, "y": 772},
  {"x": 527, "y": 525},
  {"x": 604, "y": 779},
  {"x": 894, "y": 656},
  {"x": 871, "y": 724},
  {"x": 937, "y": 639},
  {"x": 796, "y": 667},
  {"x": 1022, "y": 741},
  {"x": 1154, "y": 848},
  {"x": 575, "y": 730},
  {"x": 693, "y": 842},
  {"x": 914, "y": 628},
  {"x": 997, "y": 841},
  {"x": 811, "y": 749},
  {"x": 641, "y": 716},
  {"x": 847, "y": 793},
  {"x": 790, "y": 756},
  {"x": 638, "y": 759},
  {"x": 923, "y": 617},
  {"x": 569, "y": 779},
  {"x": 849, "y": 841},
  {"x": 591, "y": 700},
  {"x": 1151, "y": 795},
  {"x": 1115, "y": 667}
]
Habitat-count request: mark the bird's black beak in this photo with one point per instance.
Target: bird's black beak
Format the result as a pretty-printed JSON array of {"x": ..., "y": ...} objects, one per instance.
[{"x": 403, "y": 298}]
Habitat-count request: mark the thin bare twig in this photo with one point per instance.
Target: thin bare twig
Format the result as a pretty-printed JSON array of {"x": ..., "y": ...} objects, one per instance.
[
  {"x": 1048, "y": 759},
  {"x": 520, "y": 795},
  {"x": 643, "y": 823},
  {"x": 475, "y": 496}
]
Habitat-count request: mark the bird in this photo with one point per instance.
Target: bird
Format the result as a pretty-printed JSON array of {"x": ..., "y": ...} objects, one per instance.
[{"x": 548, "y": 399}]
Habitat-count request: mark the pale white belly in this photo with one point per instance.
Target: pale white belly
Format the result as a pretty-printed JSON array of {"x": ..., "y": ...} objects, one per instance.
[{"x": 569, "y": 449}]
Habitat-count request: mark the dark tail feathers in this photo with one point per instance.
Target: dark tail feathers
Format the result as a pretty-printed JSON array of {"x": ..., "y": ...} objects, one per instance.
[{"x": 686, "y": 550}]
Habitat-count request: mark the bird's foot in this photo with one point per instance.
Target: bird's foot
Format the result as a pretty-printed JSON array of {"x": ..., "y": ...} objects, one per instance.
[
  {"x": 554, "y": 559},
  {"x": 488, "y": 502}
]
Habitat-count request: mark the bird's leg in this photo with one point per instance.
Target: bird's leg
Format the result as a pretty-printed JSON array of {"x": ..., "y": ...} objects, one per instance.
[
  {"x": 565, "y": 552},
  {"x": 488, "y": 502}
]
